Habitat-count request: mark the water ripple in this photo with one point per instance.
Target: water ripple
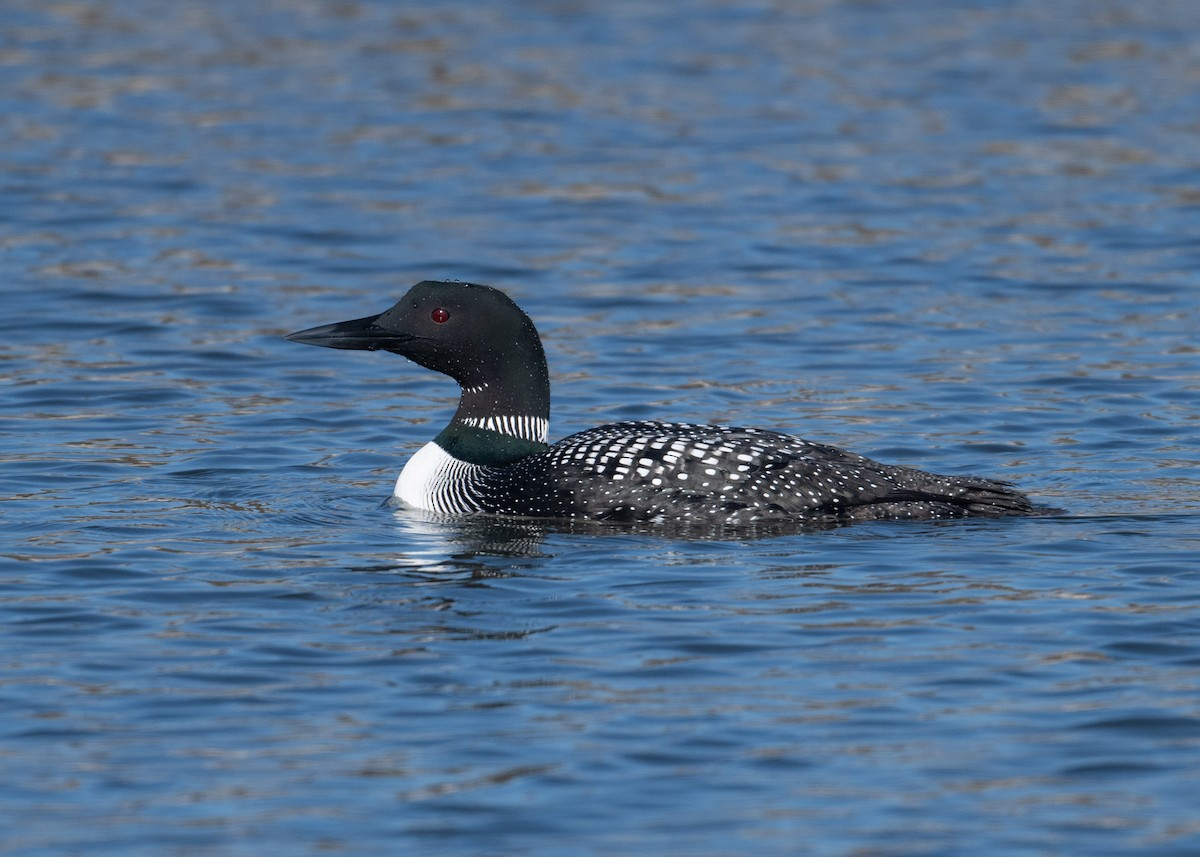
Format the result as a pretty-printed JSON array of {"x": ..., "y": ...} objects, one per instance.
[{"x": 948, "y": 236}]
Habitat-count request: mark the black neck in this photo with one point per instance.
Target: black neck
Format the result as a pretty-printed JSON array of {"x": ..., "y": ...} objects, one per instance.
[
  {"x": 510, "y": 392},
  {"x": 523, "y": 394},
  {"x": 502, "y": 413}
]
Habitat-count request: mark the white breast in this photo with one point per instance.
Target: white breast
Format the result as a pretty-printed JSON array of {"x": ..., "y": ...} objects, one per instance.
[{"x": 436, "y": 481}]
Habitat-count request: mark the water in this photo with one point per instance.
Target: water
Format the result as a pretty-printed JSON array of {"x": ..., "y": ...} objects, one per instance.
[{"x": 960, "y": 236}]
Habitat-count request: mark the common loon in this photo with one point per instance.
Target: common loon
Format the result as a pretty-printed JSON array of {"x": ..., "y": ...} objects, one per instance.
[{"x": 493, "y": 456}]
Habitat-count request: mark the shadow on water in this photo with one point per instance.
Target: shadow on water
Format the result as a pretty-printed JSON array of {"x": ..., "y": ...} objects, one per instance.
[
  {"x": 499, "y": 536},
  {"x": 471, "y": 549}
]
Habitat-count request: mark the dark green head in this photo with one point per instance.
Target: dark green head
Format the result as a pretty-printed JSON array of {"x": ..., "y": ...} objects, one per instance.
[{"x": 473, "y": 333}]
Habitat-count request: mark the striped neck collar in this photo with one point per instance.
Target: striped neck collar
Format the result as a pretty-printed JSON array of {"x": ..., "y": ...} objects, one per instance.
[
  {"x": 493, "y": 441},
  {"x": 525, "y": 428}
]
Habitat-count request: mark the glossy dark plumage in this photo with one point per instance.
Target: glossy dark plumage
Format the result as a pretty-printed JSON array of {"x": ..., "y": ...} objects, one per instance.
[{"x": 492, "y": 457}]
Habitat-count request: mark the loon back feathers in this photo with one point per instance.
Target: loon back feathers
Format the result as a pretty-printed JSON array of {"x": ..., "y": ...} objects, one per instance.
[
  {"x": 679, "y": 472},
  {"x": 492, "y": 457}
]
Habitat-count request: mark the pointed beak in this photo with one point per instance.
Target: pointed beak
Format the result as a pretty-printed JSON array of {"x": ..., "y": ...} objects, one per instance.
[{"x": 360, "y": 334}]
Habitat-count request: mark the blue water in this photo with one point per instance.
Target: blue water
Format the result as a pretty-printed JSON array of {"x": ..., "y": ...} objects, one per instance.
[{"x": 960, "y": 236}]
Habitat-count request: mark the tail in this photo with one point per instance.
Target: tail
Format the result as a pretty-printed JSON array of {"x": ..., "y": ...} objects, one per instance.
[
  {"x": 992, "y": 498},
  {"x": 932, "y": 496}
]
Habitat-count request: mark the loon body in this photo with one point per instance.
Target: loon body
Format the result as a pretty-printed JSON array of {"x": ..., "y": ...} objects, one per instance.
[{"x": 493, "y": 456}]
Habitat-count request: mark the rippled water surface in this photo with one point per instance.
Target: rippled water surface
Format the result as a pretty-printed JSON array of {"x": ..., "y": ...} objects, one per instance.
[{"x": 961, "y": 236}]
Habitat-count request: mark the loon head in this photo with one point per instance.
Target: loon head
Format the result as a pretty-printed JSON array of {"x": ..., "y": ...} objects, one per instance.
[{"x": 475, "y": 334}]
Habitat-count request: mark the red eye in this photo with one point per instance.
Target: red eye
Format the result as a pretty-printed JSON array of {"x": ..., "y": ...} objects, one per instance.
[{"x": 439, "y": 316}]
